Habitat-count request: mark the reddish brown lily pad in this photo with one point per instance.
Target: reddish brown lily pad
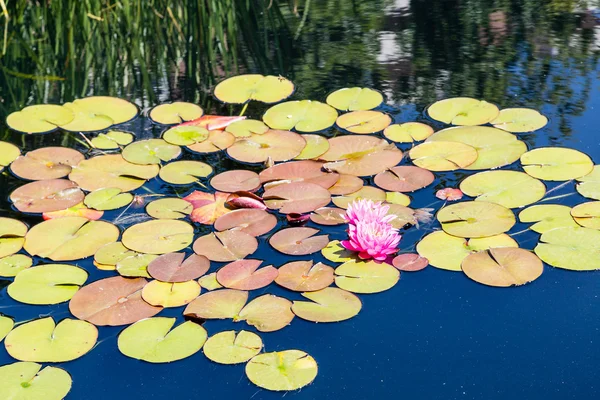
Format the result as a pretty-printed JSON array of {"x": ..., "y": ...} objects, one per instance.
[
  {"x": 273, "y": 144},
  {"x": 347, "y": 184},
  {"x": 207, "y": 206},
  {"x": 47, "y": 195},
  {"x": 172, "y": 267},
  {"x": 406, "y": 178},
  {"x": 328, "y": 216},
  {"x": 236, "y": 180},
  {"x": 254, "y": 222},
  {"x": 225, "y": 246},
  {"x": 298, "y": 241},
  {"x": 300, "y": 171},
  {"x": 46, "y": 163},
  {"x": 217, "y": 140},
  {"x": 245, "y": 275},
  {"x": 410, "y": 262},
  {"x": 297, "y": 197},
  {"x": 303, "y": 276}
]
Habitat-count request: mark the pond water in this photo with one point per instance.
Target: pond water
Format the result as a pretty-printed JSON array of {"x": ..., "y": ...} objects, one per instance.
[{"x": 436, "y": 334}]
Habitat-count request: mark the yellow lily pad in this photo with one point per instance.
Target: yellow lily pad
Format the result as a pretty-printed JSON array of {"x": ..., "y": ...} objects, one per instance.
[
  {"x": 25, "y": 381},
  {"x": 219, "y": 304},
  {"x": 135, "y": 265},
  {"x": 547, "y": 217},
  {"x": 232, "y": 347},
  {"x": 408, "y": 132},
  {"x": 107, "y": 199},
  {"x": 47, "y": 284},
  {"x": 519, "y": 120},
  {"x": 12, "y": 236},
  {"x": 6, "y": 325},
  {"x": 243, "y": 88},
  {"x": 366, "y": 192},
  {"x": 112, "y": 253},
  {"x": 503, "y": 267},
  {"x": 304, "y": 116},
  {"x": 364, "y": 122},
  {"x": 443, "y": 156},
  {"x": 576, "y": 249},
  {"x": 93, "y": 112},
  {"x": 355, "y": 99},
  {"x": 328, "y": 305},
  {"x": 184, "y": 172},
  {"x": 175, "y": 113},
  {"x": 8, "y": 153},
  {"x": 41, "y": 118},
  {"x": 169, "y": 208},
  {"x": 474, "y": 219},
  {"x": 112, "y": 140},
  {"x": 335, "y": 252},
  {"x": 463, "y": 111},
  {"x": 397, "y": 198},
  {"x": 166, "y": 294},
  {"x": 587, "y": 214},
  {"x": 12, "y": 265},
  {"x": 247, "y": 128},
  {"x": 283, "y": 370},
  {"x": 210, "y": 282},
  {"x": 556, "y": 163},
  {"x": 150, "y": 151},
  {"x": 186, "y": 135},
  {"x": 267, "y": 313},
  {"x": 158, "y": 236},
  {"x": 510, "y": 189},
  {"x": 366, "y": 276},
  {"x": 316, "y": 145},
  {"x": 589, "y": 185}
]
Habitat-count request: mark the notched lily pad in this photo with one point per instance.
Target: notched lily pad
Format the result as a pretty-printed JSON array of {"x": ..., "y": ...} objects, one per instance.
[
  {"x": 547, "y": 217},
  {"x": 8, "y": 153},
  {"x": 463, "y": 111},
  {"x": 443, "y": 156},
  {"x": 225, "y": 246},
  {"x": 150, "y": 151},
  {"x": 510, "y": 189},
  {"x": 572, "y": 248},
  {"x": 12, "y": 236},
  {"x": 366, "y": 276},
  {"x": 254, "y": 222},
  {"x": 112, "y": 140},
  {"x": 184, "y": 172},
  {"x": 243, "y": 88},
  {"x": 107, "y": 199},
  {"x": 475, "y": 219},
  {"x": 167, "y": 294},
  {"x": 316, "y": 145},
  {"x": 174, "y": 267},
  {"x": 298, "y": 241},
  {"x": 503, "y": 267},
  {"x": 207, "y": 206},
  {"x": 175, "y": 113},
  {"x": 296, "y": 197},
  {"x": 186, "y": 135},
  {"x": 519, "y": 120},
  {"x": 303, "y": 276},
  {"x": 277, "y": 145},
  {"x": 47, "y": 284},
  {"x": 364, "y": 122},
  {"x": 587, "y": 214},
  {"x": 410, "y": 262},
  {"x": 284, "y": 370},
  {"x": 246, "y": 275},
  {"x": 11, "y": 265},
  {"x": 405, "y": 178},
  {"x": 219, "y": 304},
  {"x": 328, "y": 216},
  {"x": 246, "y": 128},
  {"x": 354, "y": 99},
  {"x": 235, "y": 181},
  {"x": 169, "y": 208},
  {"x": 298, "y": 171},
  {"x": 556, "y": 163},
  {"x": 28, "y": 381},
  {"x": 46, "y": 196},
  {"x": 232, "y": 347},
  {"x": 41, "y": 118},
  {"x": 158, "y": 236},
  {"x": 328, "y": 305},
  {"x": 408, "y": 132},
  {"x": 302, "y": 115},
  {"x": 44, "y": 163}
]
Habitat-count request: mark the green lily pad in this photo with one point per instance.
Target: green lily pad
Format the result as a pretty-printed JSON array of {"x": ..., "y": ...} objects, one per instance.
[
  {"x": 364, "y": 122},
  {"x": 107, "y": 199},
  {"x": 547, "y": 217},
  {"x": 11, "y": 265},
  {"x": 47, "y": 284},
  {"x": 267, "y": 313},
  {"x": 475, "y": 219},
  {"x": 152, "y": 340},
  {"x": 232, "y": 347},
  {"x": 304, "y": 116},
  {"x": 99, "y": 112},
  {"x": 335, "y": 252},
  {"x": 589, "y": 185},
  {"x": 587, "y": 214},
  {"x": 158, "y": 236},
  {"x": 274, "y": 144},
  {"x": 167, "y": 294},
  {"x": 503, "y": 267},
  {"x": 184, "y": 172},
  {"x": 112, "y": 253},
  {"x": 443, "y": 156},
  {"x": 316, "y": 145},
  {"x": 366, "y": 276},
  {"x": 135, "y": 265},
  {"x": 408, "y": 132},
  {"x": 519, "y": 120},
  {"x": 169, "y": 208},
  {"x": 219, "y": 304},
  {"x": 185, "y": 135},
  {"x": 303, "y": 276},
  {"x": 328, "y": 305},
  {"x": 243, "y": 88},
  {"x": 150, "y": 151},
  {"x": 25, "y": 381},
  {"x": 210, "y": 282},
  {"x": 510, "y": 189},
  {"x": 283, "y": 370},
  {"x": 41, "y": 118},
  {"x": 354, "y": 99},
  {"x": 175, "y": 113},
  {"x": 6, "y": 325},
  {"x": 12, "y": 236},
  {"x": 247, "y": 128},
  {"x": 112, "y": 140},
  {"x": 42, "y": 340},
  {"x": 463, "y": 111},
  {"x": 86, "y": 120},
  {"x": 556, "y": 163},
  {"x": 8, "y": 153},
  {"x": 576, "y": 249}
]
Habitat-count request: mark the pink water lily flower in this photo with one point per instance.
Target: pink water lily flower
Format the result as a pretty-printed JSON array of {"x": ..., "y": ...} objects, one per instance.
[{"x": 364, "y": 210}]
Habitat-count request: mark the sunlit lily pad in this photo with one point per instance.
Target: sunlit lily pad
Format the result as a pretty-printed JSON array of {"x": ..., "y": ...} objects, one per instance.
[
  {"x": 45, "y": 163},
  {"x": 576, "y": 249},
  {"x": 406, "y": 215},
  {"x": 112, "y": 253},
  {"x": 366, "y": 276},
  {"x": 364, "y": 122},
  {"x": 135, "y": 266},
  {"x": 85, "y": 119},
  {"x": 254, "y": 222},
  {"x": 6, "y": 325},
  {"x": 152, "y": 340},
  {"x": 42, "y": 340},
  {"x": 150, "y": 151},
  {"x": 39, "y": 118},
  {"x": 510, "y": 189},
  {"x": 12, "y": 236},
  {"x": 225, "y": 246},
  {"x": 207, "y": 206},
  {"x": 298, "y": 171},
  {"x": 9, "y": 153},
  {"x": 495, "y": 147},
  {"x": 99, "y": 112},
  {"x": 475, "y": 219},
  {"x": 408, "y": 132},
  {"x": 397, "y": 198},
  {"x": 296, "y": 197},
  {"x": 25, "y": 381},
  {"x": 167, "y": 294},
  {"x": 232, "y": 347},
  {"x": 112, "y": 301},
  {"x": 284, "y": 370},
  {"x": 405, "y": 178},
  {"x": 12, "y": 265},
  {"x": 443, "y": 156},
  {"x": 447, "y": 252},
  {"x": 175, "y": 113},
  {"x": 209, "y": 282},
  {"x": 267, "y": 313},
  {"x": 589, "y": 185},
  {"x": 335, "y": 252},
  {"x": 169, "y": 208},
  {"x": 463, "y": 111},
  {"x": 78, "y": 210},
  {"x": 556, "y": 163},
  {"x": 216, "y": 141},
  {"x": 47, "y": 284},
  {"x": 328, "y": 216},
  {"x": 112, "y": 140},
  {"x": 302, "y": 115},
  {"x": 410, "y": 262},
  {"x": 107, "y": 199},
  {"x": 69, "y": 238},
  {"x": 185, "y": 135},
  {"x": 366, "y": 192},
  {"x": 347, "y": 184},
  {"x": 278, "y": 145},
  {"x": 220, "y": 304},
  {"x": 303, "y": 276},
  {"x": 47, "y": 195},
  {"x": 328, "y": 305},
  {"x": 243, "y": 88},
  {"x": 246, "y": 275},
  {"x": 246, "y": 128},
  {"x": 519, "y": 120},
  {"x": 184, "y": 172},
  {"x": 503, "y": 267},
  {"x": 111, "y": 171},
  {"x": 236, "y": 180},
  {"x": 354, "y": 99},
  {"x": 316, "y": 145},
  {"x": 174, "y": 267},
  {"x": 158, "y": 236},
  {"x": 547, "y": 217},
  {"x": 587, "y": 214},
  {"x": 298, "y": 241}
]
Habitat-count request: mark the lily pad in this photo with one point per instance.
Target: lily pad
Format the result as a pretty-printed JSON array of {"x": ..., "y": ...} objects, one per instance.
[
  {"x": 316, "y": 145},
  {"x": 213, "y": 122},
  {"x": 185, "y": 135},
  {"x": 587, "y": 214},
  {"x": 364, "y": 122},
  {"x": 243, "y": 88},
  {"x": 335, "y": 252},
  {"x": 90, "y": 109},
  {"x": 152, "y": 340},
  {"x": 232, "y": 347},
  {"x": 209, "y": 282},
  {"x": 246, "y": 275},
  {"x": 9, "y": 153},
  {"x": 397, "y": 198},
  {"x": 112, "y": 301},
  {"x": 225, "y": 246},
  {"x": 207, "y": 206},
  {"x": 405, "y": 178},
  {"x": 408, "y": 132},
  {"x": 169, "y": 208},
  {"x": 69, "y": 238},
  {"x": 246, "y": 128},
  {"x": 354, "y": 99},
  {"x": 112, "y": 253},
  {"x": 47, "y": 284},
  {"x": 158, "y": 236},
  {"x": 278, "y": 145},
  {"x": 298, "y": 171},
  {"x": 284, "y": 370},
  {"x": 45, "y": 163},
  {"x": 254, "y": 222},
  {"x": 42, "y": 340},
  {"x": 47, "y": 195},
  {"x": 6, "y": 325},
  {"x": 111, "y": 171},
  {"x": 175, "y": 113},
  {"x": 220, "y": 304},
  {"x": 328, "y": 216},
  {"x": 347, "y": 184},
  {"x": 302, "y": 115},
  {"x": 267, "y": 313},
  {"x": 405, "y": 215},
  {"x": 296, "y": 197},
  {"x": 236, "y": 180},
  {"x": 410, "y": 262},
  {"x": 112, "y": 140},
  {"x": 443, "y": 156},
  {"x": 216, "y": 141},
  {"x": 510, "y": 189},
  {"x": 366, "y": 276},
  {"x": 576, "y": 249},
  {"x": 11, "y": 265},
  {"x": 475, "y": 219},
  {"x": 150, "y": 151},
  {"x": 463, "y": 111},
  {"x": 167, "y": 294},
  {"x": 298, "y": 241},
  {"x": 85, "y": 119},
  {"x": 503, "y": 267},
  {"x": 41, "y": 118},
  {"x": 107, "y": 199},
  {"x": 174, "y": 267},
  {"x": 25, "y": 381},
  {"x": 366, "y": 192},
  {"x": 519, "y": 120},
  {"x": 589, "y": 185},
  {"x": 184, "y": 172},
  {"x": 447, "y": 252},
  {"x": 556, "y": 163},
  {"x": 547, "y": 217},
  {"x": 78, "y": 210},
  {"x": 135, "y": 266},
  {"x": 12, "y": 236},
  {"x": 328, "y": 305}
]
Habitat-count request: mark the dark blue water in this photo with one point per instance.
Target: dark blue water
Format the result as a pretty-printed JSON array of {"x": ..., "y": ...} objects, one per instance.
[{"x": 436, "y": 334}]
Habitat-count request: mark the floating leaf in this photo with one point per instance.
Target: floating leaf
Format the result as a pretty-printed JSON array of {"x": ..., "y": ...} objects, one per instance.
[
  {"x": 475, "y": 219},
  {"x": 328, "y": 305},
  {"x": 366, "y": 276},
  {"x": 78, "y": 210},
  {"x": 296, "y": 197},
  {"x": 246, "y": 128},
  {"x": 547, "y": 217},
  {"x": 11, "y": 265},
  {"x": 107, "y": 199},
  {"x": 158, "y": 236},
  {"x": 112, "y": 253},
  {"x": 111, "y": 171},
  {"x": 225, "y": 246},
  {"x": 185, "y": 135},
  {"x": 303, "y": 115},
  {"x": 278, "y": 145},
  {"x": 366, "y": 192},
  {"x": 47, "y": 195},
  {"x": 6, "y": 325},
  {"x": 443, "y": 156},
  {"x": 245, "y": 200},
  {"x": 91, "y": 109},
  {"x": 135, "y": 266},
  {"x": 112, "y": 301},
  {"x": 172, "y": 267},
  {"x": 406, "y": 216},
  {"x": 510, "y": 189},
  {"x": 303, "y": 276},
  {"x": 556, "y": 163},
  {"x": 69, "y": 238},
  {"x": 245, "y": 275},
  {"x": 175, "y": 113},
  {"x": 328, "y": 216},
  {"x": 216, "y": 141},
  {"x": 267, "y": 313},
  {"x": 9, "y": 153},
  {"x": 519, "y": 120},
  {"x": 347, "y": 184},
  {"x": 243, "y": 88},
  {"x": 587, "y": 214},
  {"x": 220, "y": 304},
  {"x": 397, "y": 198},
  {"x": 209, "y": 282},
  {"x": 151, "y": 151},
  {"x": 25, "y": 381},
  {"x": 112, "y": 140},
  {"x": 316, "y": 145},
  {"x": 447, "y": 252},
  {"x": 410, "y": 262},
  {"x": 42, "y": 340},
  {"x": 232, "y": 347},
  {"x": 364, "y": 122},
  {"x": 235, "y": 181},
  {"x": 254, "y": 222},
  {"x": 408, "y": 132},
  {"x": 184, "y": 172},
  {"x": 213, "y": 122},
  {"x": 40, "y": 118},
  {"x": 167, "y": 294},
  {"x": 298, "y": 171},
  {"x": 12, "y": 236},
  {"x": 152, "y": 340},
  {"x": 572, "y": 248},
  {"x": 284, "y": 370},
  {"x": 449, "y": 194},
  {"x": 503, "y": 267},
  {"x": 169, "y": 208},
  {"x": 207, "y": 206},
  {"x": 463, "y": 111},
  {"x": 405, "y": 178},
  {"x": 47, "y": 284},
  {"x": 298, "y": 241},
  {"x": 353, "y": 99},
  {"x": 44, "y": 163},
  {"x": 589, "y": 185},
  {"x": 86, "y": 120},
  {"x": 335, "y": 252}
]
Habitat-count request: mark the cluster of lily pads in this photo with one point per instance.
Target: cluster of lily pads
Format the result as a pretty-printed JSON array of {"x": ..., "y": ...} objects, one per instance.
[{"x": 304, "y": 172}]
